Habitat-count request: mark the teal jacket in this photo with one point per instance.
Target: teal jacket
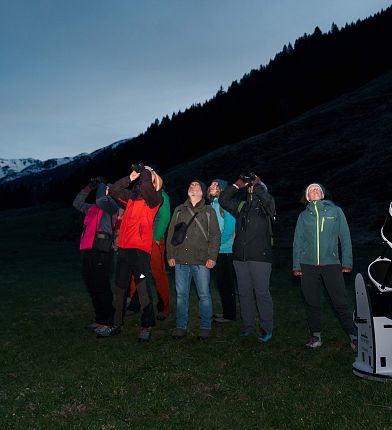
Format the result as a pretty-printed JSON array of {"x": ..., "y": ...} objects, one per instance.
[
  {"x": 226, "y": 226},
  {"x": 319, "y": 228}
]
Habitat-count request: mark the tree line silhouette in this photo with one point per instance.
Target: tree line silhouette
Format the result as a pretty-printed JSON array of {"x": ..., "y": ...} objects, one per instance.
[{"x": 317, "y": 68}]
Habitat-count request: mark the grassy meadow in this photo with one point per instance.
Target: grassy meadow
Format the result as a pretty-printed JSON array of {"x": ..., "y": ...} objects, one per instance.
[{"x": 56, "y": 375}]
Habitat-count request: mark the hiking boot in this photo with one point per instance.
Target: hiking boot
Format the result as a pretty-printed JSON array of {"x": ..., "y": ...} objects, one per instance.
[
  {"x": 264, "y": 337},
  {"x": 314, "y": 342},
  {"x": 222, "y": 320},
  {"x": 144, "y": 334},
  {"x": 108, "y": 330},
  {"x": 354, "y": 344},
  {"x": 162, "y": 316},
  {"x": 179, "y": 333},
  {"x": 204, "y": 334}
]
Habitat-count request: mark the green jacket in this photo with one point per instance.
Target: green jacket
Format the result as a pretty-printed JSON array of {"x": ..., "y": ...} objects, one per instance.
[
  {"x": 195, "y": 249},
  {"x": 319, "y": 228},
  {"x": 162, "y": 218}
]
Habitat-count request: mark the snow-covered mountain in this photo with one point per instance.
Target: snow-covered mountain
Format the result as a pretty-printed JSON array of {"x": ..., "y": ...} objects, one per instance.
[
  {"x": 13, "y": 169},
  {"x": 17, "y": 168}
]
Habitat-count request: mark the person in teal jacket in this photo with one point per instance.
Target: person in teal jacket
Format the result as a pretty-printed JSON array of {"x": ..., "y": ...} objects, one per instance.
[
  {"x": 320, "y": 228},
  {"x": 224, "y": 269}
]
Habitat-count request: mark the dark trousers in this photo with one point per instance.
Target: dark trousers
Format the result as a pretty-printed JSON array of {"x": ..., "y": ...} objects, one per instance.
[
  {"x": 312, "y": 281},
  {"x": 131, "y": 261},
  {"x": 159, "y": 274},
  {"x": 224, "y": 277},
  {"x": 253, "y": 279},
  {"x": 96, "y": 275}
]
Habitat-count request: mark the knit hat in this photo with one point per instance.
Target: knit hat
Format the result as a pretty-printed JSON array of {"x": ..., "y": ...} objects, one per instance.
[
  {"x": 203, "y": 186},
  {"x": 222, "y": 184},
  {"x": 314, "y": 185}
]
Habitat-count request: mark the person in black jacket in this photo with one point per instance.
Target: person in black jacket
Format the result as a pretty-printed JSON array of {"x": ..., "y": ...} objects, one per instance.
[{"x": 252, "y": 252}]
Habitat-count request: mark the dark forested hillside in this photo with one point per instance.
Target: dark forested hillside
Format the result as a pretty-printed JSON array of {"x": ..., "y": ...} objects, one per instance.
[
  {"x": 318, "y": 68},
  {"x": 345, "y": 144}
]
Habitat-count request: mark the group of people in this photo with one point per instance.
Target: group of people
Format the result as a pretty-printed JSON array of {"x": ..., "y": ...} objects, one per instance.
[{"x": 225, "y": 229}]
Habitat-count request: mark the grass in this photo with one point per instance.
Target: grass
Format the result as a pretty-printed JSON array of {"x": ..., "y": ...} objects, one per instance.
[{"x": 56, "y": 375}]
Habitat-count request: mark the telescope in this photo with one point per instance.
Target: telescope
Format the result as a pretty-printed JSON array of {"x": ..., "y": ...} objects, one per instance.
[{"x": 373, "y": 315}]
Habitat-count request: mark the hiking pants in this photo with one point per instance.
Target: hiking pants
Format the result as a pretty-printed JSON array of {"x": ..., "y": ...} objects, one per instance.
[
  {"x": 224, "y": 277},
  {"x": 253, "y": 288},
  {"x": 312, "y": 281},
  {"x": 132, "y": 261},
  {"x": 158, "y": 269},
  {"x": 96, "y": 275}
]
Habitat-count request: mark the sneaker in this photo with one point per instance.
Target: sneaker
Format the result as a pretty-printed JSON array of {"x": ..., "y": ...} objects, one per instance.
[
  {"x": 217, "y": 316},
  {"x": 204, "y": 334},
  {"x": 314, "y": 342},
  {"x": 179, "y": 333},
  {"x": 354, "y": 344},
  {"x": 93, "y": 326},
  {"x": 108, "y": 330},
  {"x": 222, "y": 320},
  {"x": 264, "y": 337},
  {"x": 161, "y": 316},
  {"x": 144, "y": 334}
]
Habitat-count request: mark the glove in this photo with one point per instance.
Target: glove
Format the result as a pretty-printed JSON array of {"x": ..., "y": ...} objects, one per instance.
[
  {"x": 346, "y": 269},
  {"x": 297, "y": 273}
]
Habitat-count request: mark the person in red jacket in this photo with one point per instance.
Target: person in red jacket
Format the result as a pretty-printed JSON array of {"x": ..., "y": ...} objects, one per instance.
[
  {"x": 134, "y": 243},
  {"x": 158, "y": 266}
]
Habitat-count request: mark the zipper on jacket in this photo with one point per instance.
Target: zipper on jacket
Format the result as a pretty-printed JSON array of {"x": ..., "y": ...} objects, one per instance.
[
  {"x": 322, "y": 224},
  {"x": 317, "y": 233}
]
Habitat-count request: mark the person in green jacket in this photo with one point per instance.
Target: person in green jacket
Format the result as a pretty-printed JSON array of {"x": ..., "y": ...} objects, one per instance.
[{"x": 316, "y": 260}]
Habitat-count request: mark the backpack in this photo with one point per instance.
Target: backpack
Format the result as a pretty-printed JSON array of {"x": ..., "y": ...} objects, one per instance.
[{"x": 92, "y": 237}]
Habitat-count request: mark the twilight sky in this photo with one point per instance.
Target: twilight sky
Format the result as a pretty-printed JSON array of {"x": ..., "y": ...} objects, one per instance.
[{"x": 77, "y": 75}]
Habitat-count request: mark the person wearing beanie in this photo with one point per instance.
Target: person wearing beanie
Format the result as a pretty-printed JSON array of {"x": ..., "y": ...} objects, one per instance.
[
  {"x": 316, "y": 260},
  {"x": 193, "y": 257},
  {"x": 135, "y": 242},
  {"x": 252, "y": 252},
  {"x": 100, "y": 219},
  {"x": 224, "y": 270},
  {"x": 314, "y": 188},
  {"x": 203, "y": 187}
]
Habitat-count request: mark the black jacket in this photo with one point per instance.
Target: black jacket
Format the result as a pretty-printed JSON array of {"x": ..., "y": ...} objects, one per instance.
[{"x": 252, "y": 238}]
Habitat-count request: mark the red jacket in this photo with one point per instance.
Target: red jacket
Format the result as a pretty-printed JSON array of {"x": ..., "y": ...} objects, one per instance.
[
  {"x": 136, "y": 226},
  {"x": 142, "y": 204}
]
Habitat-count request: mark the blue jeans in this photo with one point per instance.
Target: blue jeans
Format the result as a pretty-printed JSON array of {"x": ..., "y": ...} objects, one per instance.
[{"x": 201, "y": 276}]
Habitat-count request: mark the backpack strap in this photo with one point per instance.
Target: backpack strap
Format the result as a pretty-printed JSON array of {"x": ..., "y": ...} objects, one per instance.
[{"x": 199, "y": 223}]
